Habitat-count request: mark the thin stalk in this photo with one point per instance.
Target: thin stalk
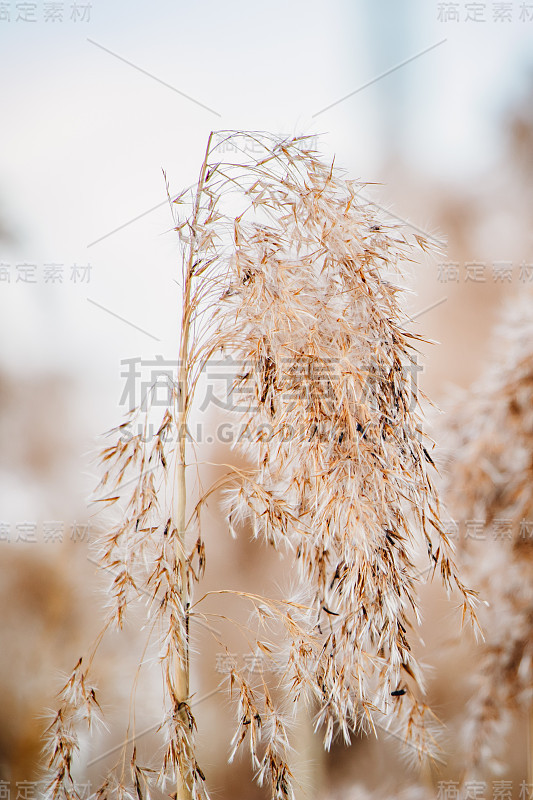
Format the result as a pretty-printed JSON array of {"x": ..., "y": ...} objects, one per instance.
[
  {"x": 182, "y": 671},
  {"x": 308, "y": 760},
  {"x": 530, "y": 745}
]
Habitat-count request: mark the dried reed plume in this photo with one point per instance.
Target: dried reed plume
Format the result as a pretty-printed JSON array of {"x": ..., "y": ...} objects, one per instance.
[
  {"x": 489, "y": 489},
  {"x": 289, "y": 274}
]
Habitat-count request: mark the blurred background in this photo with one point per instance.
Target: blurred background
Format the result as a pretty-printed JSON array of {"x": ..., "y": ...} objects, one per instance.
[{"x": 432, "y": 102}]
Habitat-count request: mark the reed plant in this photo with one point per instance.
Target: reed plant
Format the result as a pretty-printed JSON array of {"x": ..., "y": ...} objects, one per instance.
[
  {"x": 289, "y": 274},
  {"x": 488, "y": 486}
]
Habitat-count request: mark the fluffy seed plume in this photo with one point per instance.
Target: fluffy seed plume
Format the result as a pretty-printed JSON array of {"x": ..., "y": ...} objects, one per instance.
[
  {"x": 295, "y": 280},
  {"x": 489, "y": 490}
]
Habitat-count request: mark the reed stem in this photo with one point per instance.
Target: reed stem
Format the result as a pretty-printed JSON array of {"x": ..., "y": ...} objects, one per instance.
[
  {"x": 530, "y": 745},
  {"x": 182, "y": 670}
]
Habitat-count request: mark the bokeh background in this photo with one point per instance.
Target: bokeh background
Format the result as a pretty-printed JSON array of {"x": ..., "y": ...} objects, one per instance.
[{"x": 430, "y": 102}]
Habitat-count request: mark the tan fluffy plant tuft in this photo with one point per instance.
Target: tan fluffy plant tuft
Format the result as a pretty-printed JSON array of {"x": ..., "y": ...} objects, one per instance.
[
  {"x": 489, "y": 490},
  {"x": 288, "y": 274}
]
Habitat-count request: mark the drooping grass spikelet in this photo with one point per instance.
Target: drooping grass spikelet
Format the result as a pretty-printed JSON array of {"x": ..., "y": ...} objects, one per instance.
[
  {"x": 290, "y": 276},
  {"x": 489, "y": 491},
  {"x": 342, "y": 473}
]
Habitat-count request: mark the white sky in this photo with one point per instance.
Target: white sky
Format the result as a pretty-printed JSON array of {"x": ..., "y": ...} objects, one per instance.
[{"x": 85, "y": 137}]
